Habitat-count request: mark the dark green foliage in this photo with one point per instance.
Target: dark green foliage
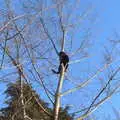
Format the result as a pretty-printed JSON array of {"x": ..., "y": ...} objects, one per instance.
[
  {"x": 64, "y": 114},
  {"x": 33, "y": 110}
]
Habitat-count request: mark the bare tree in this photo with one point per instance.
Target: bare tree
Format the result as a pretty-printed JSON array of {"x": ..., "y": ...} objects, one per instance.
[{"x": 32, "y": 35}]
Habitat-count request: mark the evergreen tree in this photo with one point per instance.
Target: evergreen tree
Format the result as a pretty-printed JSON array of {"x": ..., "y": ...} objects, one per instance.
[{"x": 14, "y": 107}]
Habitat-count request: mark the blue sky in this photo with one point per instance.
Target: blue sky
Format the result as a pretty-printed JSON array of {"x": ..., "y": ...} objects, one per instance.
[{"x": 107, "y": 23}]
